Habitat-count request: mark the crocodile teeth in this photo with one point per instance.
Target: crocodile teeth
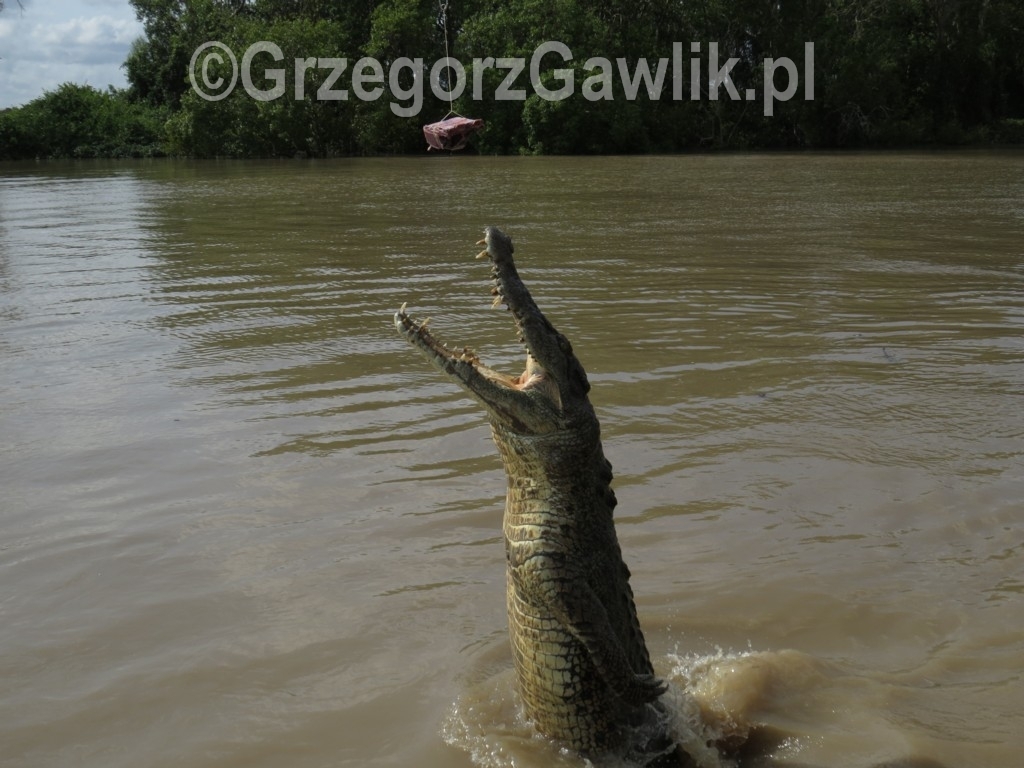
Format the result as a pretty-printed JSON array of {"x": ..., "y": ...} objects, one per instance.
[
  {"x": 497, "y": 301},
  {"x": 482, "y": 254},
  {"x": 482, "y": 242}
]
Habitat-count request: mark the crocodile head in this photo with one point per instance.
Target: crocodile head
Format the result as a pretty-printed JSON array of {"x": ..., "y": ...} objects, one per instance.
[{"x": 550, "y": 394}]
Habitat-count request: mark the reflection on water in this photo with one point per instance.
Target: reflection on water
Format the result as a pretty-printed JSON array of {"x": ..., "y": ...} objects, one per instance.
[{"x": 245, "y": 525}]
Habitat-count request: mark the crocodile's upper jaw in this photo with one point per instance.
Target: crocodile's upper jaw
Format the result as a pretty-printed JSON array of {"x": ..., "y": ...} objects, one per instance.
[{"x": 553, "y": 384}]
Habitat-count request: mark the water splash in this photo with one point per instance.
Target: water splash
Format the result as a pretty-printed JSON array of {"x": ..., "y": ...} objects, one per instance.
[{"x": 708, "y": 717}]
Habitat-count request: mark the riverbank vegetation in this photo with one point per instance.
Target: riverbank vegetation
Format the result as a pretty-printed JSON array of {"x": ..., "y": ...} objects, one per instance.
[{"x": 886, "y": 73}]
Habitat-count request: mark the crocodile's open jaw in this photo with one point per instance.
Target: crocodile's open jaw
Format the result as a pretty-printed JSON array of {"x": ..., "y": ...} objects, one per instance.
[{"x": 533, "y": 402}]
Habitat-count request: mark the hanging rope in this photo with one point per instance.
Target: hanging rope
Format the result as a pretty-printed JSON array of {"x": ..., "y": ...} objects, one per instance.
[
  {"x": 449, "y": 133},
  {"x": 444, "y": 25}
]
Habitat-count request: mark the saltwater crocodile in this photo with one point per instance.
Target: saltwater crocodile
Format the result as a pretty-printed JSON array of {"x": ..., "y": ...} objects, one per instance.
[{"x": 582, "y": 666}]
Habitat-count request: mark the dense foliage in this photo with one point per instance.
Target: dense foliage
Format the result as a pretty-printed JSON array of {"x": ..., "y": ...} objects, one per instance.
[
  {"x": 886, "y": 73},
  {"x": 80, "y": 121}
]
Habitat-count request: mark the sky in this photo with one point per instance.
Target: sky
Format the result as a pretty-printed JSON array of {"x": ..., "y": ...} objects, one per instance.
[{"x": 49, "y": 42}]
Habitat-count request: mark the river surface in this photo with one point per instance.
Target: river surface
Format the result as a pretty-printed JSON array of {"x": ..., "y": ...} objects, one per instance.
[{"x": 243, "y": 523}]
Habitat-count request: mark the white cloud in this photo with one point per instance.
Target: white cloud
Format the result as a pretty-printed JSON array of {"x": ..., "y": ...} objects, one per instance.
[
  {"x": 89, "y": 32},
  {"x": 78, "y": 41}
]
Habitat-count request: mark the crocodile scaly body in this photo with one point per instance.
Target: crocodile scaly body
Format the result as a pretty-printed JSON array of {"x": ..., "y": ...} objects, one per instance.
[{"x": 582, "y": 665}]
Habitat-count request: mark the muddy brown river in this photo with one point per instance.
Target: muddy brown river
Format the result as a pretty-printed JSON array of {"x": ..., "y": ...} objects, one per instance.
[{"x": 242, "y": 523}]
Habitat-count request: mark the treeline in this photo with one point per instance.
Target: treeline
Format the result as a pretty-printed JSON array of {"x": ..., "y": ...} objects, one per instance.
[
  {"x": 885, "y": 73},
  {"x": 80, "y": 121}
]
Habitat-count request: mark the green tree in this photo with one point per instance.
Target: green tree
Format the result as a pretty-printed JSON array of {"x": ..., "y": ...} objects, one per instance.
[
  {"x": 404, "y": 31},
  {"x": 303, "y": 120},
  {"x": 887, "y": 73},
  {"x": 81, "y": 121},
  {"x": 157, "y": 64}
]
